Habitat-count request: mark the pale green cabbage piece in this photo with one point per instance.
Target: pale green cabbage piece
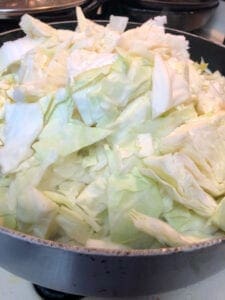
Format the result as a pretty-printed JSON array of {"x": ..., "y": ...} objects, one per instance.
[
  {"x": 170, "y": 85},
  {"x": 104, "y": 243},
  {"x": 7, "y": 213},
  {"x": 117, "y": 23},
  {"x": 35, "y": 28},
  {"x": 189, "y": 223},
  {"x": 23, "y": 123},
  {"x": 63, "y": 135},
  {"x": 100, "y": 38},
  {"x": 74, "y": 225},
  {"x": 160, "y": 230},
  {"x": 129, "y": 191},
  {"x": 13, "y": 52},
  {"x": 150, "y": 38},
  {"x": 218, "y": 217},
  {"x": 180, "y": 184},
  {"x": 203, "y": 141},
  {"x": 108, "y": 90}
]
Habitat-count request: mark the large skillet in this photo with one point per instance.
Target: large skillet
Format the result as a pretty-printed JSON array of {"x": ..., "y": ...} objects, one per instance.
[{"x": 111, "y": 272}]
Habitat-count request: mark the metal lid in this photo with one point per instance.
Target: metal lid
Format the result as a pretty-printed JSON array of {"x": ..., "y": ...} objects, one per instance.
[{"x": 15, "y": 8}]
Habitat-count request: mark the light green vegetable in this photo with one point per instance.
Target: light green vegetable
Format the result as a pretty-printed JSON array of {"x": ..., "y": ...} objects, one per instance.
[
  {"x": 203, "y": 141},
  {"x": 23, "y": 123},
  {"x": 12, "y": 52},
  {"x": 169, "y": 85},
  {"x": 189, "y": 223},
  {"x": 110, "y": 139},
  {"x": 74, "y": 225},
  {"x": 218, "y": 216},
  {"x": 179, "y": 183},
  {"x": 34, "y": 28},
  {"x": 161, "y": 230},
  {"x": 124, "y": 193},
  {"x": 104, "y": 243}
]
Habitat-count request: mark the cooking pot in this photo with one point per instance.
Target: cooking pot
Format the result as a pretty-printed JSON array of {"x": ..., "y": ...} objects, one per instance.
[
  {"x": 94, "y": 272},
  {"x": 180, "y": 14},
  {"x": 16, "y": 8},
  {"x": 45, "y": 10}
]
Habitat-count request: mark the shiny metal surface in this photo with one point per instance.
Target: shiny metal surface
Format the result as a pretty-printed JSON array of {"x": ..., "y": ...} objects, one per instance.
[
  {"x": 108, "y": 273},
  {"x": 93, "y": 272},
  {"x": 215, "y": 29},
  {"x": 12, "y": 8},
  {"x": 182, "y": 20}
]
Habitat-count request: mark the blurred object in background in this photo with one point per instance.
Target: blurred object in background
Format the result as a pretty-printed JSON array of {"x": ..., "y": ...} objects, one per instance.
[
  {"x": 215, "y": 28},
  {"x": 187, "y": 15},
  {"x": 45, "y": 10}
]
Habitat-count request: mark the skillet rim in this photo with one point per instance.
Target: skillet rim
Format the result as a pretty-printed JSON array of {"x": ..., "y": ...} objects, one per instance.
[
  {"x": 23, "y": 237},
  {"x": 101, "y": 21}
]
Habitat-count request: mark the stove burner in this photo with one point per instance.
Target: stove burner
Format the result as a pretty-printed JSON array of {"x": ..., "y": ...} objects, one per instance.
[
  {"x": 48, "y": 294},
  {"x": 187, "y": 20}
]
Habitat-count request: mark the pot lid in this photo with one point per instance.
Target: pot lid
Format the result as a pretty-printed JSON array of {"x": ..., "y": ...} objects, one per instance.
[
  {"x": 13, "y": 8},
  {"x": 175, "y": 4}
]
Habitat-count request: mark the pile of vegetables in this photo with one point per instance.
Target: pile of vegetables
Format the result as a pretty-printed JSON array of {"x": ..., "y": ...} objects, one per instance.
[{"x": 110, "y": 138}]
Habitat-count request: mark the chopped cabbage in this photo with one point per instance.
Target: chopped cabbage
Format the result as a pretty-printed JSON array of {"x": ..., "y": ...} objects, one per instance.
[
  {"x": 160, "y": 230},
  {"x": 23, "y": 123},
  {"x": 110, "y": 138},
  {"x": 180, "y": 184}
]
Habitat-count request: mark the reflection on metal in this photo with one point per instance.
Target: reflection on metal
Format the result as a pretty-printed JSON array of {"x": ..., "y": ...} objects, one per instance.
[{"x": 9, "y": 9}]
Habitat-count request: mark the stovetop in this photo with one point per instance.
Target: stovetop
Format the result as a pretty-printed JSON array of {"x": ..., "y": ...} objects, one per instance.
[{"x": 15, "y": 288}]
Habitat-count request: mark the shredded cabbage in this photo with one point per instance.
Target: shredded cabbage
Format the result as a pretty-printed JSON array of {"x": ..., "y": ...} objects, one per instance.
[{"x": 110, "y": 138}]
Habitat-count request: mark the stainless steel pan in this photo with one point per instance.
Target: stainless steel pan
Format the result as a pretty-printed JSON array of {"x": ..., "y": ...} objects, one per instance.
[{"x": 111, "y": 272}]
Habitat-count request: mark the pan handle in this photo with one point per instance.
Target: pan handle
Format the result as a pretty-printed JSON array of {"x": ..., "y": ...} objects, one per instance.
[{"x": 93, "y": 5}]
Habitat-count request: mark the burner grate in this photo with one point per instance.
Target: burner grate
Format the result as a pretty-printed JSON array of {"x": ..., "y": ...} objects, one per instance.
[{"x": 48, "y": 294}]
